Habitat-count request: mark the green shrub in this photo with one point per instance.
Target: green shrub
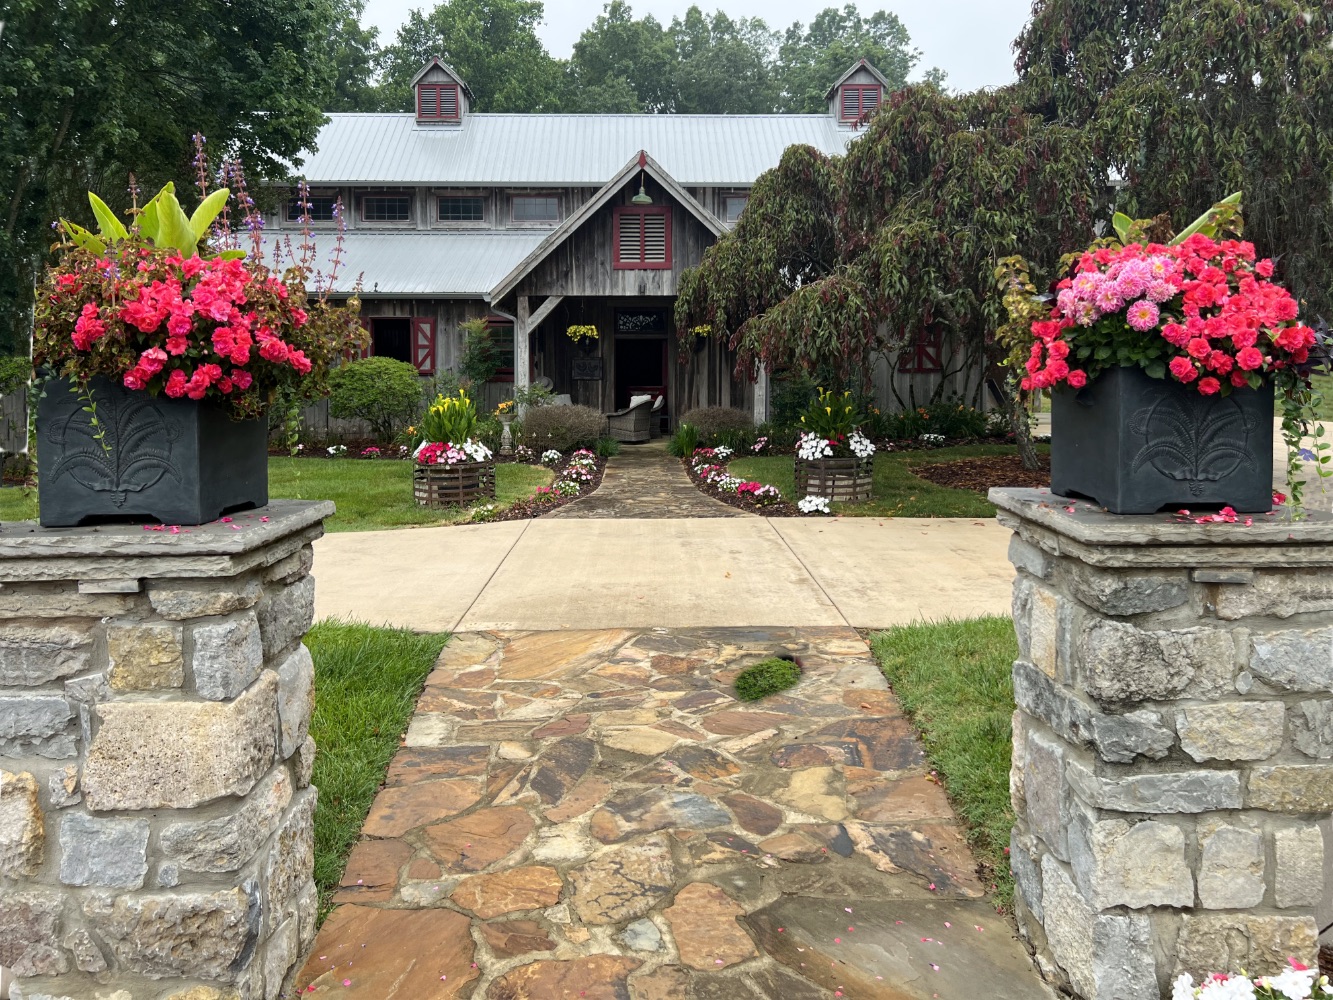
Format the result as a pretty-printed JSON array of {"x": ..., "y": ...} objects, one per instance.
[
  {"x": 381, "y": 391},
  {"x": 606, "y": 447},
  {"x": 563, "y": 428},
  {"x": 14, "y": 373},
  {"x": 947, "y": 417},
  {"x": 480, "y": 357},
  {"x": 789, "y": 396},
  {"x": 533, "y": 395},
  {"x": 717, "y": 425},
  {"x": 684, "y": 441},
  {"x": 488, "y": 431},
  {"x": 766, "y": 677}
]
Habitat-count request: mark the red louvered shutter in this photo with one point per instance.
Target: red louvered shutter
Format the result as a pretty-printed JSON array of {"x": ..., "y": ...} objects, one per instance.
[{"x": 423, "y": 344}]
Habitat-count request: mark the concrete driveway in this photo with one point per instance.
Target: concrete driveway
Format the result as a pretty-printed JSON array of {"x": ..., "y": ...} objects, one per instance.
[{"x": 632, "y": 573}]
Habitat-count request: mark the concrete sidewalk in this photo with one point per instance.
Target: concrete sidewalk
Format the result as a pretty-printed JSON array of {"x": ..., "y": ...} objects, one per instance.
[{"x": 634, "y": 573}]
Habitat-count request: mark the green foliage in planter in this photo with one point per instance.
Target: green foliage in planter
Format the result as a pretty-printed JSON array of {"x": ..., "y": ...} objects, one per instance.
[
  {"x": 563, "y": 428},
  {"x": 766, "y": 677},
  {"x": 381, "y": 391},
  {"x": 684, "y": 441},
  {"x": 451, "y": 419},
  {"x": 717, "y": 425},
  {"x": 607, "y": 447}
]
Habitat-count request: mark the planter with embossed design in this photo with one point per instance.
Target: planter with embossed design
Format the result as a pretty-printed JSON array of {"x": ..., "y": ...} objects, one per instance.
[
  {"x": 1136, "y": 445},
  {"x": 147, "y": 458}
]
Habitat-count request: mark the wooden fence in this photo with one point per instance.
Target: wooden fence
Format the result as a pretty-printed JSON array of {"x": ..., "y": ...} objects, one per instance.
[{"x": 14, "y": 422}]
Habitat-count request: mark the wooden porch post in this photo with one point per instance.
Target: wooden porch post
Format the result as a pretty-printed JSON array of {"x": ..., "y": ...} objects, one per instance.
[
  {"x": 522, "y": 362},
  {"x": 761, "y": 396}
]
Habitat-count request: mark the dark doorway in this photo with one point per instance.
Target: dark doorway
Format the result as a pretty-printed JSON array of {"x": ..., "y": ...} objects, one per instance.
[
  {"x": 640, "y": 368},
  {"x": 391, "y": 337}
]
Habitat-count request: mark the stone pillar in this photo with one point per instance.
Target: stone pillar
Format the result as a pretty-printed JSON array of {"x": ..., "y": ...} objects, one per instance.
[
  {"x": 156, "y": 813},
  {"x": 1173, "y": 743}
]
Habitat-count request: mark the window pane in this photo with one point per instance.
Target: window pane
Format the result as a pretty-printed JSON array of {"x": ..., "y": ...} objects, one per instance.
[
  {"x": 386, "y": 208},
  {"x": 391, "y": 337},
  {"x": 462, "y": 209},
  {"x": 529, "y": 208},
  {"x": 733, "y": 206},
  {"x": 502, "y": 347},
  {"x": 321, "y": 208}
]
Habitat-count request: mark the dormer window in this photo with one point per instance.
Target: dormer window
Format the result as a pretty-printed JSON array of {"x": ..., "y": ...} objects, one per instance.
[
  {"x": 437, "y": 102},
  {"x": 859, "y": 99}
]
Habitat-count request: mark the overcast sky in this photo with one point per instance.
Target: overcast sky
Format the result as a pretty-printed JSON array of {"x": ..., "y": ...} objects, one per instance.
[{"x": 969, "y": 39}]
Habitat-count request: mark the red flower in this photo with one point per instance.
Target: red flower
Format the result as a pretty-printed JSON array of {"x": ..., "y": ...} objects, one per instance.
[
  {"x": 1209, "y": 386},
  {"x": 1198, "y": 348},
  {"x": 88, "y": 327},
  {"x": 175, "y": 387},
  {"x": 1250, "y": 358},
  {"x": 241, "y": 378},
  {"x": 1077, "y": 378},
  {"x": 1264, "y": 268},
  {"x": 1183, "y": 370}
]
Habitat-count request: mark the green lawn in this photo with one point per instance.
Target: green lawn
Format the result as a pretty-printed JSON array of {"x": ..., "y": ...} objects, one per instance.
[
  {"x": 366, "y": 684},
  {"x": 897, "y": 493},
  {"x": 1323, "y": 384},
  {"x": 369, "y": 494},
  {"x": 953, "y": 678}
]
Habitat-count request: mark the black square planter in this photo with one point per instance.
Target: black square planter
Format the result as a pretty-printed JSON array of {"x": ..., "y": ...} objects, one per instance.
[
  {"x": 177, "y": 461},
  {"x": 1136, "y": 444}
]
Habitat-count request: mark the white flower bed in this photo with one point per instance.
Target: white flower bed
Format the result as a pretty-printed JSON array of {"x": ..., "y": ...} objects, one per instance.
[
  {"x": 813, "y": 505},
  {"x": 1296, "y": 983}
]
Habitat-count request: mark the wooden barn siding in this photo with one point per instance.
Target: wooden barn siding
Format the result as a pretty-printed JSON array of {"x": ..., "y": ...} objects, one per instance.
[
  {"x": 14, "y": 422},
  {"x": 897, "y": 390}
]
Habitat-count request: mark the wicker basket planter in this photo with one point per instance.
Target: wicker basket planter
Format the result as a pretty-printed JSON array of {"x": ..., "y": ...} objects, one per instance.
[
  {"x": 845, "y": 480},
  {"x": 448, "y": 485}
]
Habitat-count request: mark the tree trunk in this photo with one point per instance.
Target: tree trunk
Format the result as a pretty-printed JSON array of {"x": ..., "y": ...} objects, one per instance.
[{"x": 1020, "y": 422}]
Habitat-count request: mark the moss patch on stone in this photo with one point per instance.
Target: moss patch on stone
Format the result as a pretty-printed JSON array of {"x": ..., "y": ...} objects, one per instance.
[{"x": 766, "y": 677}]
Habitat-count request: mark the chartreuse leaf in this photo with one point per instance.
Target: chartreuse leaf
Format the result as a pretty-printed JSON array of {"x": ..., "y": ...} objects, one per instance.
[
  {"x": 150, "y": 216},
  {"x": 231, "y": 255},
  {"x": 83, "y": 238},
  {"x": 207, "y": 211},
  {"x": 1207, "y": 223},
  {"x": 112, "y": 229},
  {"x": 1121, "y": 222},
  {"x": 173, "y": 225}
]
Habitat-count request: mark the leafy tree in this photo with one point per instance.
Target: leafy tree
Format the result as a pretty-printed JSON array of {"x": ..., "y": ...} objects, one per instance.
[
  {"x": 356, "y": 59},
  {"x": 93, "y": 89},
  {"x": 811, "y": 58},
  {"x": 1190, "y": 101},
  {"x": 617, "y": 54},
  {"x": 492, "y": 44},
  {"x": 723, "y": 66},
  {"x": 838, "y": 259}
]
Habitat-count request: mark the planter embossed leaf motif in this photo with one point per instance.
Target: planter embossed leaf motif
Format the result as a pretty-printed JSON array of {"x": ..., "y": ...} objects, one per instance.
[
  {"x": 134, "y": 455},
  {"x": 1193, "y": 439}
]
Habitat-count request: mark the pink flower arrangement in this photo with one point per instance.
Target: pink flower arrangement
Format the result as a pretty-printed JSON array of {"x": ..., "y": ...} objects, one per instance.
[
  {"x": 1209, "y": 315},
  {"x": 187, "y": 326}
]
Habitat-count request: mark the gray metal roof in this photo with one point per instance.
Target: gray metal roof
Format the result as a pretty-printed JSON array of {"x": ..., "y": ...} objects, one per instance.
[
  {"x": 534, "y": 150},
  {"x": 432, "y": 264}
]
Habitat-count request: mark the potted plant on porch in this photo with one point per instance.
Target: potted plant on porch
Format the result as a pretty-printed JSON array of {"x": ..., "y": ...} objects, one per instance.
[
  {"x": 160, "y": 347},
  {"x": 1163, "y": 358},
  {"x": 452, "y": 465},
  {"x": 834, "y": 460}
]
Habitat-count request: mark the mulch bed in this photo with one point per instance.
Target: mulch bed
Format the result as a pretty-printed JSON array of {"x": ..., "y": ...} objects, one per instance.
[
  {"x": 533, "y": 507},
  {"x": 980, "y": 474},
  {"x": 741, "y": 501}
]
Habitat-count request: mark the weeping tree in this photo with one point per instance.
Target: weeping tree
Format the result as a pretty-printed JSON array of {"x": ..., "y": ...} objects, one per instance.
[
  {"x": 1190, "y": 100},
  {"x": 838, "y": 259}
]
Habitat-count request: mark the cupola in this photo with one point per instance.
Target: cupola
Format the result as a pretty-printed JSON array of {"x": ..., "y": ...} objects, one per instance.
[
  {"x": 856, "y": 94},
  {"x": 442, "y": 98}
]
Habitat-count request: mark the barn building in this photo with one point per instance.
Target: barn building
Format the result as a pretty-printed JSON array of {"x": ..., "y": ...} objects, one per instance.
[{"x": 541, "y": 222}]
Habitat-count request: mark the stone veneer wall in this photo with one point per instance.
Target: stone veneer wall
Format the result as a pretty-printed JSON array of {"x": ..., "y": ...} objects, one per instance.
[
  {"x": 1173, "y": 745},
  {"x": 156, "y": 814}
]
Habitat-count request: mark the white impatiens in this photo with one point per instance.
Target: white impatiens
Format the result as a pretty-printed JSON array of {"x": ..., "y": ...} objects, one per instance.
[
  {"x": 812, "y": 447},
  {"x": 932, "y": 439},
  {"x": 813, "y": 505},
  {"x": 1296, "y": 983},
  {"x": 861, "y": 446},
  {"x": 550, "y": 457}
]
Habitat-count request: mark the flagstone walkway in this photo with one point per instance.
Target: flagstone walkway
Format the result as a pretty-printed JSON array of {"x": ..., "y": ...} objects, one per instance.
[
  {"x": 645, "y": 480},
  {"x": 591, "y": 814}
]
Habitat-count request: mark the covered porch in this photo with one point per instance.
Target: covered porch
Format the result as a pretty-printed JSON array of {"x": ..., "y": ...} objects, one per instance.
[{"x": 636, "y": 352}]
